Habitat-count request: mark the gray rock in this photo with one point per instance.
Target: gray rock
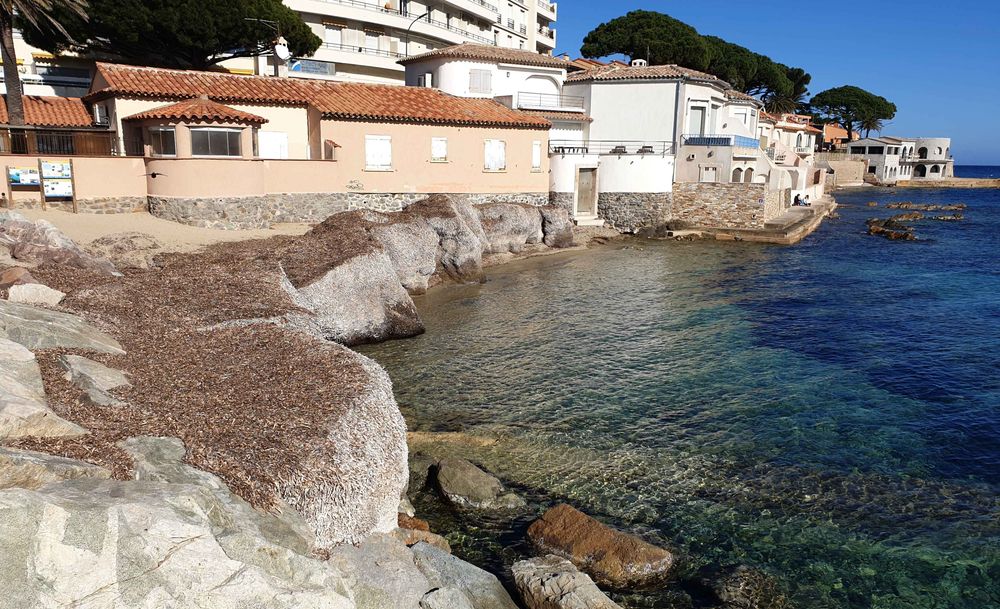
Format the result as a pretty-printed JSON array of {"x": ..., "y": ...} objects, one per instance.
[
  {"x": 442, "y": 570},
  {"x": 43, "y": 329},
  {"x": 23, "y": 409},
  {"x": 31, "y": 470},
  {"x": 554, "y": 583},
  {"x": 744, "y": 587},
  {"x": 41, "y": 242},
  {"x": 360, "y": 301},
  {"x": 35, "y": 293},
  {"x": 466, "y": 485},
  {"x": 557, "y": 226},
  {"x": 381, "y": 574},
  {"x": 108, "y": 543},
  {"x": 509, "y": 226},
  {"x": 420, "y": 468},
  {"x": 94, "y": 378},
  {"x": 412, "y": 246},
  {"x": 445, "y": 598},
  {"x": 405, "y": 507},
  {"x": 460, "y": 234}
]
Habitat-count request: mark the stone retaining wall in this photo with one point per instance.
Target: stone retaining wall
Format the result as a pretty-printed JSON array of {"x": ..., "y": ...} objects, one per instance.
[
  {"x": 104, "y": 205},
  {"x": 564, "y": 200},
  {"x": 262, "y": 212},
  {"x": 627, "y": 212},
  {"x": 724, "y": 205}
]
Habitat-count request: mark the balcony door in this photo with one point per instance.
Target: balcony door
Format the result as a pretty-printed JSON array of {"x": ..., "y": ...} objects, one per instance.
[{"x": 696, "y": 120}]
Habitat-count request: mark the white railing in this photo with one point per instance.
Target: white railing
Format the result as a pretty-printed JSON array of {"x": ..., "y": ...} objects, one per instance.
[{"x": 617, "y": 147}]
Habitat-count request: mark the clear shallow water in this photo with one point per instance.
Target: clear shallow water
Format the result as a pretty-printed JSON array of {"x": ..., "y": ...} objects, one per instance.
[{"x": 828, "y": 412}]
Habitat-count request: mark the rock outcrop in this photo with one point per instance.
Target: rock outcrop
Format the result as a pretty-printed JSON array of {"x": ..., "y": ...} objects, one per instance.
[
  {"x": 23, "y": 408},
  {"x": 610, "y": 557},
  {"x": 509, "y": 226},
  {"x": 39, "y": 242},
  {"x": 42, "y": 329},
  {"x": 94, "y": 378},
  {"x": 442, "y": 570},
  {"x": 465, "y": 485},
  {"x": 552, "y": 582},
  {"x": 31, "y": 470}
]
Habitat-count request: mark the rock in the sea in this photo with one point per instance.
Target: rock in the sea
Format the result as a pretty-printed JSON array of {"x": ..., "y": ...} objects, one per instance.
[
  {"x": 15, "y": 275},
  {"x": 510, "y": 226},
  {"x": 31, "y": 470},
  {"x": 443, "y": 570},
  {"x": 128, "y": 249},
  {"x": 109, "y": 543},
  {"x": 37, "y": 328},
  {"x": 746, "y": 588},
  {"x": 460, "y": 234},
  {"x": 40, "y": 242},
  {"x": 552, "y": 582},
  {"x": 445, "y": 598},
  {"x": 34, "y": 294},
  {"x": 612, "y": 558},
  {"x": 23, "y": 408},
  {"x": 420, "y": 468},
  {"x": 557, "y": 226},
  {"x": 466, "y": 485},
  {"x": 94, "y": 378},
  {"x": 411, "y": 537},
  {"x": 359, "y": 301}
]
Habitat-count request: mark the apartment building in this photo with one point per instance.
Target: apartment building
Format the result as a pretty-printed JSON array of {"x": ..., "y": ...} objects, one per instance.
[{"x": 362, "y": 40}]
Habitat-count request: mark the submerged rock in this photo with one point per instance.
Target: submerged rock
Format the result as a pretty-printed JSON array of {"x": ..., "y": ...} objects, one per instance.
[
  {"x": 612, "y": 558},
  {"x": 746, "y": 588},
  {"x": 552, "y": 582},
  {"x": 466, "y": 485}
]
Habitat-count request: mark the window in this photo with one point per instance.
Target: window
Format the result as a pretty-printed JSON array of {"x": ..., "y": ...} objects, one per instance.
[
  {"x": 334, "y": 35},
  {"x": 876, "y": 150},
  {"x": 162, "y": 141},
  {"x": 378, "y": 153},
  {"x": 481, "y": 81},
  {"x": 439, "y": 149},
  {"x": 857, "y": 149},
  {"x": 872, "y": 169},
  {"x": 496, "y": 155},
  {"x": 215, "y": 141},
  {"x": 536, "y": 156}
]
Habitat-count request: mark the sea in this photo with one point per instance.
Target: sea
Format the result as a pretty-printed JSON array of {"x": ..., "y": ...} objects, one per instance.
[{"x": 827, "y": 413}]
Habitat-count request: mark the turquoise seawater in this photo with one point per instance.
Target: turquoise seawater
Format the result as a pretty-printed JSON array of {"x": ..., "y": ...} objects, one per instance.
[{"x": 828, "y": 412}]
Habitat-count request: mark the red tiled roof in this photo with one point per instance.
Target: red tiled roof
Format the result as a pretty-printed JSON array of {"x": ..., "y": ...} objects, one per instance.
[
  {"x": 485, "y": 52},
  {"x": 342, "y": 101},
  {"x": 199, "y": 109},
  {"x": 740, "y": 96},
  {"x": 554, "y": 115},
  {"x": 40, "y": 111},
  {"x": 418, "y": 104},
  {"x": 622, "y": 72}
]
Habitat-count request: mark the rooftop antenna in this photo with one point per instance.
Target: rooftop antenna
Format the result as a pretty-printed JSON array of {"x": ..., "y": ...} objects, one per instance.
[{"x": 279, "y": 45}]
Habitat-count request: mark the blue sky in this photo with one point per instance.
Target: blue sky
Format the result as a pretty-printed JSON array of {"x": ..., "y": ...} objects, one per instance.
[{"x": 938, "y": 61}]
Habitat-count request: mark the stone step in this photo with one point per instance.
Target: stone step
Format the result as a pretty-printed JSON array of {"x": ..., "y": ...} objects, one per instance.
[{"x": 588, "y": 220}]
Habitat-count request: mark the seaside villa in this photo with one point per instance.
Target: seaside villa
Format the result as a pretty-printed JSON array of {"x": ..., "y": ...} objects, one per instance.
[{"x": 892, "y": 159}]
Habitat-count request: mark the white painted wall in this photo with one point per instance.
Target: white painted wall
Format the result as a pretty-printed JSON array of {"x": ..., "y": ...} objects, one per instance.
[
  {"x": 563, "y": 168},
  {"x": 636, "y": 173},
  {"x": 629, "y": 111},
  {"x": 453, "y": 76}
]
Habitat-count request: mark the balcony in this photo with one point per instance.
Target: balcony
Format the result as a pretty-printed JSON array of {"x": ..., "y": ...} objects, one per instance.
[
  {"x": 350, "y": 48},
  {"x": 804, "y": 150},
  {"x": 547, "y": 32},
  {"x": 610, "y": 147},
  {"x": 725, "y": 140},
  {"x": 549, "y": 101},
  {"x": 548, "y": 8}
]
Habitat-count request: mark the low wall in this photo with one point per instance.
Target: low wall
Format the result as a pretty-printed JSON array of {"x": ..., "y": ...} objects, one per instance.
[
  {"x": 724, "y": 205},
  {"x": 102, "y": 184},
  {"x": 845, "y": 173},
  {"x": 263, "y": 211},
  {"x": 628, "y": 212}
]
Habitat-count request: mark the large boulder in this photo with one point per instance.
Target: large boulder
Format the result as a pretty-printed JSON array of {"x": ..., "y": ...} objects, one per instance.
[
  {"x": 37, "y": 328},
  {"x": 40, "y": 242},
  {"x": 109, "y": 543},
  {"x": 557, "y": 226},
  {"x": 510, "y": 226},
  {"x": 23, "y": 408},
  {"x": 442, "y": 570},
  {"x": 465, "y": 485},
  {"x": 94, "y": 378},
  {"x": 552, "y": 582},
  {"x": 460, "y": 234},
  {"x": 32, "y": 470},
  {"x": 614, "y": 559},
  {"x": 445, "y": 598},
  {"x": 413, "y": 248}
]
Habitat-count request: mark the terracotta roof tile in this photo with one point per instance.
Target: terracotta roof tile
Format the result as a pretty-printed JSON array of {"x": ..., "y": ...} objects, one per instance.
[
  {"x": 740, "y": 96},
  {"x": 622, "y": 72},
  {"x": 41, "y": 111},
  {"x": 554, "y": 115},
  {"x": 468, "y": 50},
  {"x": 343, "y": 101},
  {"x": 199, "y": 109}
]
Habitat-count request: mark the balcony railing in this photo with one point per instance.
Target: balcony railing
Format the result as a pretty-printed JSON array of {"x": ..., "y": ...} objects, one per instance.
[
  {"x": 351, "y": 48},
  {"x": 549, "y": 101},
  {"x": 68, "y": 142},
  {"x": 618, "y": 147},
  {"x": 371, "y": 6},
  {"x": 547, "y": 32},
  {"x": 548, "y": 7},
  {"x": 486, "y": 5},
  {"x": 804, "y": 149},
  {"x": 737, "y": 141}
]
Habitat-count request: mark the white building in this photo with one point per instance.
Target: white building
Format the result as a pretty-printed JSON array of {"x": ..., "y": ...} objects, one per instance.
[
  {"x": 362, "y": 40},
  {"x": 892, "y": 159}
]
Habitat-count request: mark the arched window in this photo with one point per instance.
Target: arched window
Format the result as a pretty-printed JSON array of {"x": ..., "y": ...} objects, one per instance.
[
  {"x": 737, "y": 175},
  {"x": 935, "y": 169},
  {"x": 939, "y": 151},
  {"x": 947, "y": 152},
  {"x": 748, "y": 175},
  {"x": 798, "y": 141},
  {"x": 920, "y": 172},
  {"x": 922, "y": 153}
]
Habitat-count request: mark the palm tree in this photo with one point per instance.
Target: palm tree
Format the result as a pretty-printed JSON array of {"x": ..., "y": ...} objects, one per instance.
[
  {"x": 872, "y": 124},
  {"x": 35, "y": 12}
]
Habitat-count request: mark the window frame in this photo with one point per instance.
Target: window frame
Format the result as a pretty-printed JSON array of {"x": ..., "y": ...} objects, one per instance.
[
  {"x": 442, "y": 159},
  {"x": 239, "y": 142},
  {"x": 486, "y": 156},
  {"x": 160, "y": 129},
  {"x": 536, "y": 149}
]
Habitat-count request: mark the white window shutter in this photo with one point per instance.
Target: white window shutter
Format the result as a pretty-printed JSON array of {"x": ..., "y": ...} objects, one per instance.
[
  {"x": 439, "y": 149},
  {"x": 536, "y": 155},
  {"x": 496, "y": 155},
  {"x": 378, "y": 152}
]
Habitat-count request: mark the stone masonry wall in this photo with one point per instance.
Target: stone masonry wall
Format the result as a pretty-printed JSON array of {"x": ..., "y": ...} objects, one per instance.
[
  {"x": 563, "y": 200},
  {"x": 263, "y": 211},
  {"x": 628, "y": 212},
  {"x": 104, "y": 205},
  {"x": 722, "y": 205}
]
